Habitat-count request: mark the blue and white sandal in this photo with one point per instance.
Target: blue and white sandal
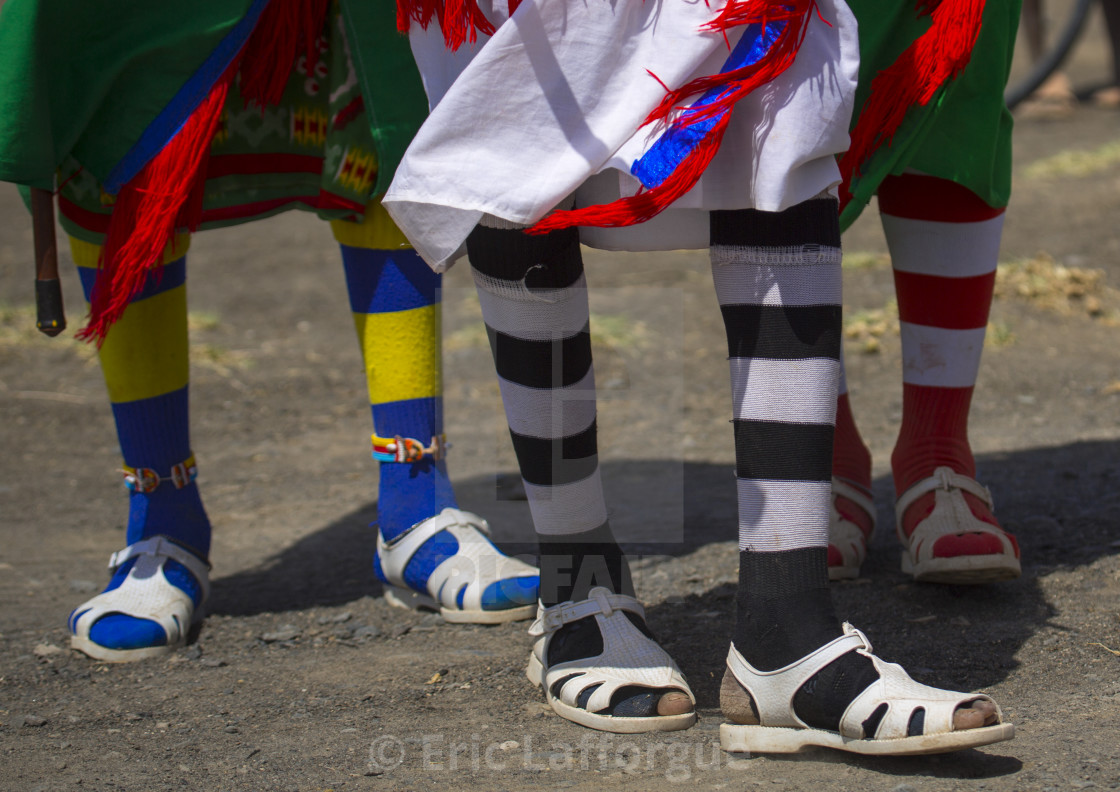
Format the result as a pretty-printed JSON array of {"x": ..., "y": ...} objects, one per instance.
[
  {"x": 146, "y": 593},
  {"x": 474, "y": 583}
]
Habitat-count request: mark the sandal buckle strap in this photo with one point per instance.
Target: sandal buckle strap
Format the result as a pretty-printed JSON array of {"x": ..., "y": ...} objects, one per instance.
[
  {"x": 849, "y": 629},
  {"x": 430, "y": 526},
  {"x": 162, "y": 547},
  {"x": 600, "y": 601},
  {"x": 944, "y": 479}
]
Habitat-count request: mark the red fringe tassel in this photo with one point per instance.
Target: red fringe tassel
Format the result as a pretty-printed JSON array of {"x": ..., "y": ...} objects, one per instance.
[
  {"x": 148, "y": 210},
  {"x": 288, "y": 24},
  {"x": 672, "y": 110},
  {"x": 915, "y": 78},
  {"x": 459, "y": 20},
  {"x": 167, "y": 193}
]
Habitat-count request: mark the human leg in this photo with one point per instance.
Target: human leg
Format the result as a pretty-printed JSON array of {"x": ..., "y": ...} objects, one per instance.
[
  {"x": 594, "y": 656},
  {"x": 944, "y": 244},
  {"x": 159, "y": 583},
  {"x": 852, "y": 513},
  {"x": 778, "y": 283},
  {"x": 429, "y": 551}
]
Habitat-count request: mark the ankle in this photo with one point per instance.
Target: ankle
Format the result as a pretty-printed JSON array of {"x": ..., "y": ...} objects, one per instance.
[
  {"x": 785, "y": 608},
  {"x": 572, "y": 565},
  {"x": 176, "y": 514},
  {"x": 411, "y": 491},
  {"x": 916, "y": 460},
  {"x": 851, "y": 459}
]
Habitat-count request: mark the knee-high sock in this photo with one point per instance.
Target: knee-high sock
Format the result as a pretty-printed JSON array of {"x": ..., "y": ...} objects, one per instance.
[
  {"x": 395, "y": 300},
  {"x": 944, "y": 243},
  {"x": 777, "y": 279},
  {"x": 851, "y": 460},
  {"x": 145, "y": 363},
  {"x": 534, "y": 302}
]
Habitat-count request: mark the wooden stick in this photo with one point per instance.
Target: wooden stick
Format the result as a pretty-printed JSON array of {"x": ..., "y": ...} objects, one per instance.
[{"x": 50, "y": 317}]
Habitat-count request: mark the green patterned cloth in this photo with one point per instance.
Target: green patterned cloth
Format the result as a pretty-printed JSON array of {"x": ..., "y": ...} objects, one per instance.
[
  {"x": 965, "y": 134},
  {"x": 331, "y": 144}
]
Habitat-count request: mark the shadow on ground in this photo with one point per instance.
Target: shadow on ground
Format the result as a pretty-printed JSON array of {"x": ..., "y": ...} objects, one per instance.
[{"x": 1062, "y": 503}]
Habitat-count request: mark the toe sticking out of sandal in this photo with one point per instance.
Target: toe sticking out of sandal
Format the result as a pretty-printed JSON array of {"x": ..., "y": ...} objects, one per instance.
[
  {"x": 892, "y": 716},
  {"x": 631, "y": 686}
]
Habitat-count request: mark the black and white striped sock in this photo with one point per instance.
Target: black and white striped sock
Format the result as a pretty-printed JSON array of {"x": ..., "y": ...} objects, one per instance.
[
  {"x": 534, "y": 302},
  {"x": 777, "y": 278}
]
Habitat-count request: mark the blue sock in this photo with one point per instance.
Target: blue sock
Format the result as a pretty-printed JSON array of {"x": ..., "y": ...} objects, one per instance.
[{"x": 153, "y": 428}]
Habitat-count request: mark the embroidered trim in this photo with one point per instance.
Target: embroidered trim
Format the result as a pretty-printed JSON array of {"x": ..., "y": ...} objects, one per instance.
[
  {"x": 146, "y": 479},
  {"x": 406, "y": 449}
]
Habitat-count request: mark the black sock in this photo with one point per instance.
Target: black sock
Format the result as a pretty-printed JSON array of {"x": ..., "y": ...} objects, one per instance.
[
  {"x": 542, "y": 352},
  {"x": 573, "y": 564},
  {"x": 570, "y": 568},
  {"x": 785, "y": 612}
]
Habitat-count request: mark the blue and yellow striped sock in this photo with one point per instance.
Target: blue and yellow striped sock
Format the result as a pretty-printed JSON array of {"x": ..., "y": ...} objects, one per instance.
[
  {"x": 145, "y": 363},
  {"x": 395, "y": 296}
]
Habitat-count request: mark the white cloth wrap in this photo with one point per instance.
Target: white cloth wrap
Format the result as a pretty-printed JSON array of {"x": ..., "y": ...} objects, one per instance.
[{"x": 555, "y": 101}]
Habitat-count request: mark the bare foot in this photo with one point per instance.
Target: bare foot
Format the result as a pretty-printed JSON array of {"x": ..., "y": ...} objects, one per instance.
[
  {"x": 735, "y": 702},
  {"x": 1108, "y": 98},
  {"x": 1053, "y": 100}
]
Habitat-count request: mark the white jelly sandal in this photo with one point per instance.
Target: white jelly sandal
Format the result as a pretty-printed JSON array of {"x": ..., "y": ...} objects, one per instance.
[
  {"x": 456, "y": 586},
  {"x": 952, "y": 516},
  {"x": 145, "y": 594},
  {"x": 628, "y": 659},
  {"x": 877, "y": 721},
  {"x": 845, "y": 535}
]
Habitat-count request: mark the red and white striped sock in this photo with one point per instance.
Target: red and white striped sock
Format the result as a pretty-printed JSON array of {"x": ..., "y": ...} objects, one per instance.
[
  {"x": 851, "y": 459},
  {"x": 944, "y": 244}
]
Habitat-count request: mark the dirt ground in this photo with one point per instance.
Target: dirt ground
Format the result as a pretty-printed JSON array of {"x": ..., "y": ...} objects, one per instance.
[{"x": 304, "y": 678}]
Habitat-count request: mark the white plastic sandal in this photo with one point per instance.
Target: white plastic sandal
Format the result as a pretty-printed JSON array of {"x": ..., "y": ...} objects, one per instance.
[
  {"x": 877, "y": 721},
  {"x": 951, "y": 516},
  {"x": 845, "y": 535},
  {"x": 628, "y": 659},
  {"x": 456, "y": 586},
  {"x": 145, "y": 594}
]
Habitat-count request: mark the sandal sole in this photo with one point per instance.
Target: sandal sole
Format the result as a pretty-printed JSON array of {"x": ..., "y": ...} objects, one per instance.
[
  {"x": 843, "y": 572},
  {"x": 104, "y": 654},
  {"x": 963, "y": 570},
  {"x": 411, "y": 600},
  {"x": 769, "y": 739},
  {"x": 608, "y": 723}
]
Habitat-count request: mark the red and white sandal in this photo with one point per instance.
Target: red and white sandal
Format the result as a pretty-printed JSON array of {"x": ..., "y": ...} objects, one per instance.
[
  {"x": 951, "y": 516},
  {"x": 847, "y": 543}
]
